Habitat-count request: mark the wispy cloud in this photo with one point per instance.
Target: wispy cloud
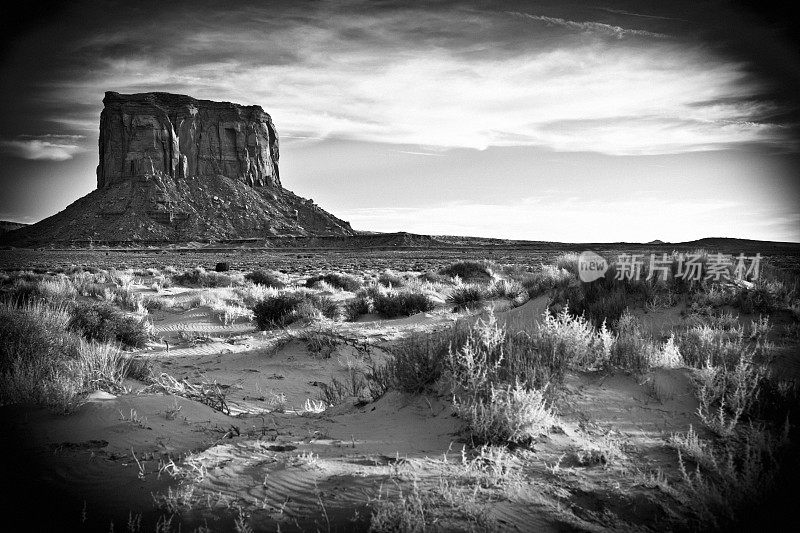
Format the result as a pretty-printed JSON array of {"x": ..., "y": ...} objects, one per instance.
[
  {"x": 599, "y": 27},
  {"x": 43, "y": 147}
]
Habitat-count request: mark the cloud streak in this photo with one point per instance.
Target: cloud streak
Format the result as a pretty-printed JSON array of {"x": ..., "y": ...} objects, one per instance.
[
  {"x": 44, "y": 147},
  {"x": 554, "y": 91},
  {"x": 599, "y": 27}
]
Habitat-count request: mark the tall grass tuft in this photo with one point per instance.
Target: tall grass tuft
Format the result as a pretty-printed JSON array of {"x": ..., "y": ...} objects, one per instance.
[
  {"x": 266, "y": 278},
  {"x": 344, "y": 282},
  {"x": 283, "y": 309},
  {"x": 467, "y": 296},
  {"x": 43, "y": 362},
  {"x": 472, "y": 271},
  {"x": 103, "y": 322},
  {"x": 392, "y": 303}
]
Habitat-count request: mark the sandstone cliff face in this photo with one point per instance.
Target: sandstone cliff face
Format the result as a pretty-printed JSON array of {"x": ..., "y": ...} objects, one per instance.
[
  {"x": 175, "y": 136},
  {"x": 176, "y": 169}
]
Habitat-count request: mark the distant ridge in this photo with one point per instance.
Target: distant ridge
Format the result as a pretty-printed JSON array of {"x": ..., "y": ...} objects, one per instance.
[
  {"x": 404, "y": 240},
  {"x": 6, "y": 226}
]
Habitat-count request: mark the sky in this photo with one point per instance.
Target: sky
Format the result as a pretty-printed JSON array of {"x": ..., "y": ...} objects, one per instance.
[{"x": 552, "y": 120}]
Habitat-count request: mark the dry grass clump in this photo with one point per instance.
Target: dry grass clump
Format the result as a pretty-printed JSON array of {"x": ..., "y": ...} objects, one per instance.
[
  {"x": 715, "y": 341},
  {"x": 467, "y": 296},
  {"x": 57, "y": 289},
  {"x": 344, "y": 282},
  {"x": 358, "y": 306},
  {"x": 505, "y": 288},
  {"x": 739, "y": 483},
  {"x": 266, "y": 278},
  {"x": 418, "y": 361},
  {"x": 546, "y": 278},
  {"x": 391, "y": 279},
  {"x": 283, "y": 309},
  {"x": 515, "y": 415},
  {"x": 228, "y": 313},
  {"x": 392, "y": 303},
  {"x": 103, "y": 322},
  {"x": 126, "y": 299},
  {"x": 727, "y": 393},
  {"x": 250, "y": 294},
  {"x": 469, "y": 271},
  {"x": 495, "y": 411},
  {"x": 572, "y": 341},
  {"x": 43, "y": 362},
  {"x": 227, "y": 307}
]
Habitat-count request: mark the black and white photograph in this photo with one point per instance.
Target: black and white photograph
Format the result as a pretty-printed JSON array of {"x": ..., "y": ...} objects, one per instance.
[{"x": 400, "y": 266}]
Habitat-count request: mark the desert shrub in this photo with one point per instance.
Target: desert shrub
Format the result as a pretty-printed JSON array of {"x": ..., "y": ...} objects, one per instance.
[
  {"x": 199, "y": 277},
  {"x": 741, "y": 484},
  {"x": 44, "y": 363},
  {"x": 91, "y": 290},
  {"x": 506, "y": 289},
  {"x": 476, "y": 368},
  {"x": 34, "y": 350},
  {"x": 54, "y": 289},
  {"x": 761, "y": 328},
  {"x": 266, "y": 278},
  {"x": 545, "y": 279},
  {"x": 21, "y": 290},
  {"x": 125, "y": 298},
  {"x": 57, "y": 289},
  {"x": 418, "y": 361},
  {"x": 393, "y": 303},
  {"x": 763, "y": 297},
  {"x": 727, "y": 394},
  {"x": 468, "y": 271},
  {"x": 22, "y": 275},
  {"x": 466, "y": 296},
  {"x": 161, "y": 282},
  {"x": 360, "y": 305},
  {"x": 513, "y": 415},
  {"x": 714, "y": 296},
  {"x": 568, "y": 262},
  {"x": 334, "y": 279},
  {"x": 32, "y": 329},
  {"x": 101, "y": 321},
  {"x": 573, "y": 341},
  {"x": 250, "y": 294},
  {"x": 100, "y": 365},
  {"x": 668, "y": 355},
  {"x": 631, "y": 350},
  {"x": 283, "y": 309},
  {"x": 222, "y": 266},
  {"x": 120, "y": 278},
  {"x": 602, "y": 305},
  {"x": 712, "y": 344},
  {"x": 390, "y": 279},
  {"x": 228, "y": 312},
  {"x": 603, "y": 300}
]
